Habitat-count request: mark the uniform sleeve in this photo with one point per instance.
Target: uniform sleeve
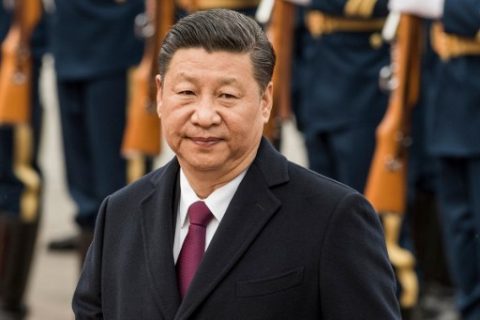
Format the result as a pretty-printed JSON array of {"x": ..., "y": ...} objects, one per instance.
[
  {"x": 87, "y": 299},
  {"x": 462, "y": 17},
  {"x": 352, "y": 8},
  {"x": 5, "y": 19},
  {"x": 356, "y": 277}
]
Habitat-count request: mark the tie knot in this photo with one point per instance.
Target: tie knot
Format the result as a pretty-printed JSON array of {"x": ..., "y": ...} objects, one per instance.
[{"x": 199, "y": 214}]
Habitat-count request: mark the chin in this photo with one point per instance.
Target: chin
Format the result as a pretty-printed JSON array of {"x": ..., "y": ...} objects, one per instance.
[{"x": 205, "y": 164}]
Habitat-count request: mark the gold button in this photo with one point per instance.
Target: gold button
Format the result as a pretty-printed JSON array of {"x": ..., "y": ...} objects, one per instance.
[{"x": 376, "y": 40}]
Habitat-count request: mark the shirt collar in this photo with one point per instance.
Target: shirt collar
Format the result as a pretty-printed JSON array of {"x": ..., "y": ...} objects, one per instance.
[{"x": 217, "y": 201}]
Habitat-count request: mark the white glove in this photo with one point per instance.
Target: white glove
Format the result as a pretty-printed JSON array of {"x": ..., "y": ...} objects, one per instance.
[
  {"x": 424, "y": 8},
  {"x": 264, "y": 10}
]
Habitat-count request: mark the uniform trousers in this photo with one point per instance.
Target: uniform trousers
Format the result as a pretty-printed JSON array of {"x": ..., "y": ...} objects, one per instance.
[
  {"x": 459, "y": 196},
  {"x": 344, "y": 154},
  {"x": 93, "y": 115}
]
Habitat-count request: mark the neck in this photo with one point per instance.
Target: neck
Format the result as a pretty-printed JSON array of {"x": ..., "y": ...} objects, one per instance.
[{"x": 205, "y": 182}]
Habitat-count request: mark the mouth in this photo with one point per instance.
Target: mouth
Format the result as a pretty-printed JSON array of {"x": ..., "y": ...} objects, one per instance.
[{"x": 205, "y": 141}]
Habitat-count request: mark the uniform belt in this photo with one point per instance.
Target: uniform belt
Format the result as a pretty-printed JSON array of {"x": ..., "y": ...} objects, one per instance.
[
  {"x": 449, "y": 46},
  {"x": 226, "y": 4},
  {"x": 319, "y": 24}
]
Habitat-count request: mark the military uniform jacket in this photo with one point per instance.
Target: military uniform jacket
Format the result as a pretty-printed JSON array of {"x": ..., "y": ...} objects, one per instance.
[
  {"x": 292, "y": 245},
  {"x": 454, "y": 114},
  {"x": 91, "y": 38},
  {"x": 4, "y": 22},
  {"x": 337, "y": 74}
]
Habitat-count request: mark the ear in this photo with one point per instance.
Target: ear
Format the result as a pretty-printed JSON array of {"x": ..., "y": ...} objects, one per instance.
[
  {"x": 267, "y": 102},
  {"x": 158, "y": 81}
]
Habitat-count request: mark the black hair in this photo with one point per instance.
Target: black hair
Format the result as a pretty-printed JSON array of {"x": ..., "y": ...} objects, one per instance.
[{"x": 221, "y": 30}]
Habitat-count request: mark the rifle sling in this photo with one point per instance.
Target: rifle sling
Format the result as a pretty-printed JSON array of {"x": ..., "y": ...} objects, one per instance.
[
  {"x": 449, "y": 46},
  {"x": 319, "y": 23}
]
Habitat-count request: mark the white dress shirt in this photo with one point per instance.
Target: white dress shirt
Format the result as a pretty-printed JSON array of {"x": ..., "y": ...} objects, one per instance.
[{"x": 217, "y": 202}]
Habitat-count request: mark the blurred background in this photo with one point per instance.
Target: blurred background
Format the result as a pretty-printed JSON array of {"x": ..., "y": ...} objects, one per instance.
[{"x": 381, "y": 95}]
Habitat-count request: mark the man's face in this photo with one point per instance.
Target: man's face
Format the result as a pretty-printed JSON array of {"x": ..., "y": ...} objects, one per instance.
[{"x": 212, "y": 110}]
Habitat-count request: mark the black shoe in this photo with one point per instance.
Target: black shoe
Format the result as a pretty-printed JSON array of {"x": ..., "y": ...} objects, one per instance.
[{"x": 69, "y": 243}]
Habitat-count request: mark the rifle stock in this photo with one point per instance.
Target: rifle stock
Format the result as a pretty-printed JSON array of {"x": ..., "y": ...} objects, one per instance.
[
  {"x": 16, "y": 64},
  {"x": 280, "y": 31},
  {"x": 15, "y": 101},
  {"x": 386, "y": 183},
  {"x": 142, "y": 133}
]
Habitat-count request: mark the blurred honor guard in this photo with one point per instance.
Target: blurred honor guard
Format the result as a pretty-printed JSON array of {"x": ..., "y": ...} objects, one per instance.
[
  {"x": 453, "y": 123},
  {"x": 22, "y": 34},
  {"x": 338, "y": 101},
  {"x": 142, "y": 138},
  {"x": 93, "y": 44},
  {"x": 436, "y": 290}
]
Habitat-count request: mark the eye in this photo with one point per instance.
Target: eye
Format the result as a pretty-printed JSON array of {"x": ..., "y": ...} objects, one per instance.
[
  {"x": 225, "y": 95},
  {"x": 186, "y": 92}
]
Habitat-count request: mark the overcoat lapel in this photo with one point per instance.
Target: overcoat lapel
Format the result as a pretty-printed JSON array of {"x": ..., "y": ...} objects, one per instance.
[
  {"x": 158, "y": 216},
  {"x": 249, "y": 211}
]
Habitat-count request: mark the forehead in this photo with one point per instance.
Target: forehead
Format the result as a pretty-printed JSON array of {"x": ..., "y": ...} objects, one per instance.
[{"x": 193, "y": 62}]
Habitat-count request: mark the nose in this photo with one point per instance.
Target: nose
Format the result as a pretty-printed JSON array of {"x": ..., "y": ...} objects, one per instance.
[{"x": 205, "y": 114}]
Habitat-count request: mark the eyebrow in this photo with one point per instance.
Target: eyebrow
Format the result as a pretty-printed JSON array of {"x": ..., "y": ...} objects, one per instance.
[
  {"x": 223, "y": 81},
  {"x": 184, "y": 76},
  {"x": 229, "y": 80}
]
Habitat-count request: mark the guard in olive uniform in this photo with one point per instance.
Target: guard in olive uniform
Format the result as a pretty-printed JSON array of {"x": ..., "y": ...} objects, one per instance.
[
  {"x": 338, "y": 103},
  {"x": 94, "y": 45},
  {"x": 18, "y": 236},
  {"x": 454, "y": 128}
]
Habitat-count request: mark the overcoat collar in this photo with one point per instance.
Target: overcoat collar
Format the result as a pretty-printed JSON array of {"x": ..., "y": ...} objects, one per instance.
[
  {"x": 250, "y": 209},
  {"x": 157, "y": 220}
]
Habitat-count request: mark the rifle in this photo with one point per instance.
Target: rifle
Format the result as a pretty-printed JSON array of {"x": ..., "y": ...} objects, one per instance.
[
  {"x": 15, "y": 99},
  {"x": 280, "y": 31},
  {"x": 16, "y": 65},
  {"x": 386, "y": 183},
  {"x": 15, "y": 112},
  {"x": 142, "y": 133}
]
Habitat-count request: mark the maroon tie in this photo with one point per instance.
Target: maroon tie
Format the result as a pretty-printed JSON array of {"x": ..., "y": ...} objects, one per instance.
[{"x": 194, "y": 245}]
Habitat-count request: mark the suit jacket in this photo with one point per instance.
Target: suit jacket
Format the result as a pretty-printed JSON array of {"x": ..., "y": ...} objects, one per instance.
[{"x": 292, "y": 245}]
